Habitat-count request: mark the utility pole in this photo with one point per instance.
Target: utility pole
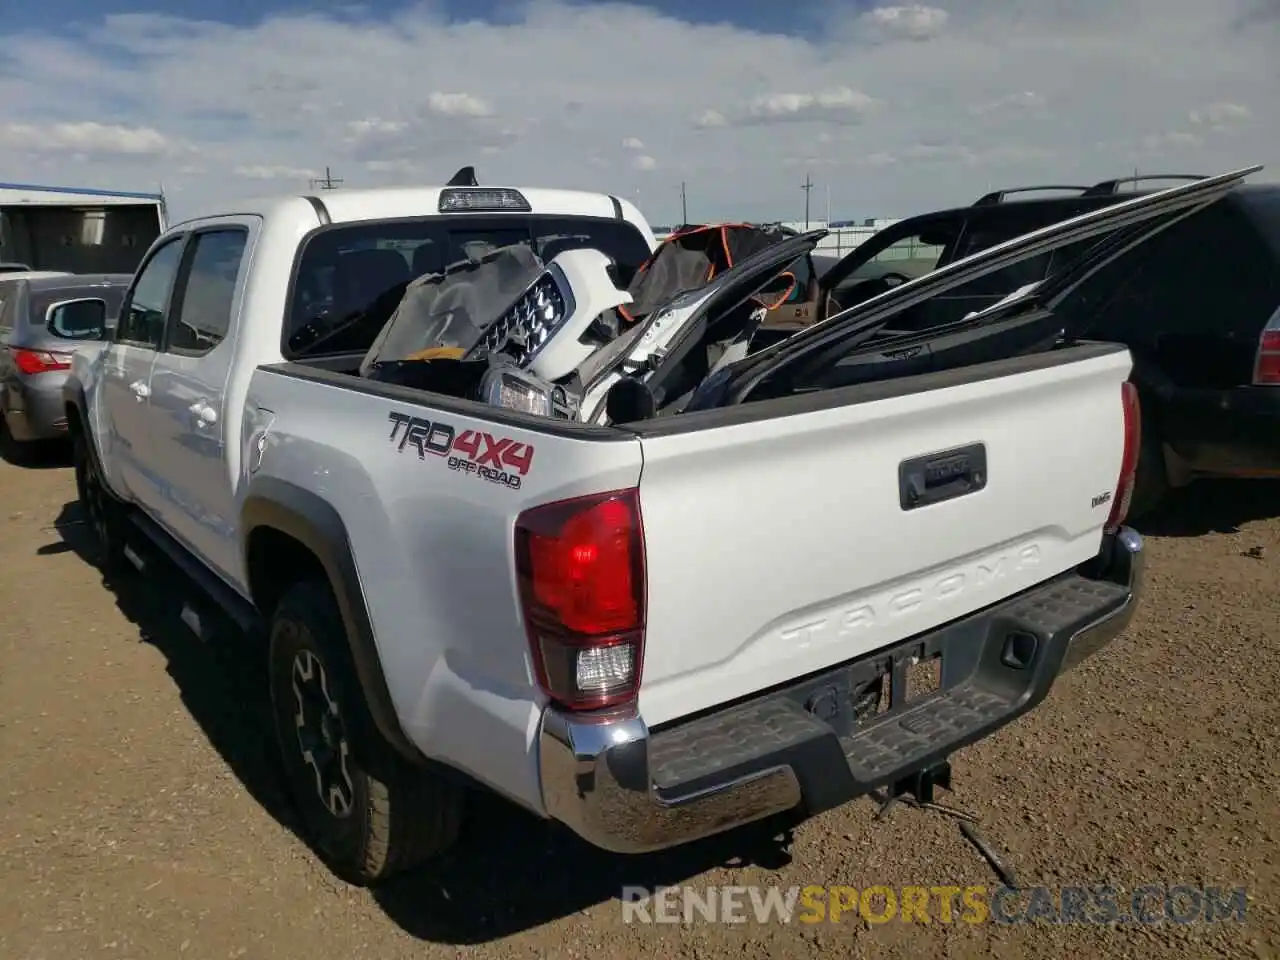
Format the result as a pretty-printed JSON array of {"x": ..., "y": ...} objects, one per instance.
[
  {"x": 684, "y": 205},
  {"x": 327, "y": 182},
  {"x": 807, "y": 187}
]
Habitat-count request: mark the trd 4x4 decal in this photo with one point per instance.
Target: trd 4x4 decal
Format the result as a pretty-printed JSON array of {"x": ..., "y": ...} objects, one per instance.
[{"x": 499, "y": 460}]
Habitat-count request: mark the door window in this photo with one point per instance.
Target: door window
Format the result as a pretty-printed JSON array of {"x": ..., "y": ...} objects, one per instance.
[
  {"x": 143, "y": 318},
  {"x": 202, "y": 309}
]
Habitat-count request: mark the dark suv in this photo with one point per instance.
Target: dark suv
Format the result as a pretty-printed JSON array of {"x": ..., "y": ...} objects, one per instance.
[{"x": 1198, "y": 307}]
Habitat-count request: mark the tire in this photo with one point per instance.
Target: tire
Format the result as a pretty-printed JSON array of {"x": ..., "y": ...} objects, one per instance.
[
  {"x": 364, "y": 810},
  {"x": 103, "y": 512}
]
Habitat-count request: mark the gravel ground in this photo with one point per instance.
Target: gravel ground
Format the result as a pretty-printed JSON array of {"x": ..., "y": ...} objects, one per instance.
[{"x": 141, "y": 816}]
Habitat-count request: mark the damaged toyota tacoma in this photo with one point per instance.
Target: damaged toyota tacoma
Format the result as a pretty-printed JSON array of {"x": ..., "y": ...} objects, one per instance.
[{"x": 672, "y": 579}]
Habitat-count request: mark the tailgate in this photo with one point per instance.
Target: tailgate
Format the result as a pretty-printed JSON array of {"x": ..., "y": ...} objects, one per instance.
[{"x": 779, "y": 547}]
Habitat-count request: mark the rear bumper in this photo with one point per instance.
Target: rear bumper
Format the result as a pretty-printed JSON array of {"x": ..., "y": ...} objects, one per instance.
[
  {"x": 35, "y": 410},
  {"x": 627, "y": 789}
]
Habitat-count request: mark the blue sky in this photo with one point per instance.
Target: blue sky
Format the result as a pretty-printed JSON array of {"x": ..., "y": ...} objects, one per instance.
[
  {"x": 891, "y": 108},
  {"x": 755, "y": 14}
]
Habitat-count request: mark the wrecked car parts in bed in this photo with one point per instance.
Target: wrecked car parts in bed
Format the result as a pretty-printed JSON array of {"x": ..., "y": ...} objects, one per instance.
[
  {"x": 558, "y": 336},
  {"x": 554, "y": 336}
]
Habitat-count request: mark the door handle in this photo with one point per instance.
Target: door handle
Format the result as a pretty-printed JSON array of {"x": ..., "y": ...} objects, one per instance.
[
  {"x": 140, "y": 389},
  {"x": 205, "y": 415}
]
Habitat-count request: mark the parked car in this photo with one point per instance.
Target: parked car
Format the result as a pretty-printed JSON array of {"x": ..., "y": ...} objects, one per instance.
[
  {"x": 12, "y": 267},
  {"x": 458, "y": 593},
  {"x": 44, "y": 320},
  {"x": 1198, "y": 307}
]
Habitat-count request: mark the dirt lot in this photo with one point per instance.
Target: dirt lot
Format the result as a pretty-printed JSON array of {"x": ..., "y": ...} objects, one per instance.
[{"x": 141, "y": 816}]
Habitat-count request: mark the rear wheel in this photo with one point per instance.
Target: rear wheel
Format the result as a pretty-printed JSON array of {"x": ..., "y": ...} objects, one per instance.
[
  {"x": 102, "y": 511},
  {"x": 364, "y": 810}
]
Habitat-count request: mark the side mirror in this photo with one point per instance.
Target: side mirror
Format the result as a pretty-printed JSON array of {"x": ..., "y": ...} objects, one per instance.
[{"x": 78, "y": 319}]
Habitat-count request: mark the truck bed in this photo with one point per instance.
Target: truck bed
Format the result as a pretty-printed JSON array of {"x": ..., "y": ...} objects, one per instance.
[{"x": 778, "y": 536}]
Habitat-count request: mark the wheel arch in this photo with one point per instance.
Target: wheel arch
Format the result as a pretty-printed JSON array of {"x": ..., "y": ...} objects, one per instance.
[
  {"x": 290, "y": 533},
  {"x": 73, "y": 402}
]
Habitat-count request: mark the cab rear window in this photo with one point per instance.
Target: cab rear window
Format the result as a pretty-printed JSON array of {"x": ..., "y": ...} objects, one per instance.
[{"x": 349, "y": 278}]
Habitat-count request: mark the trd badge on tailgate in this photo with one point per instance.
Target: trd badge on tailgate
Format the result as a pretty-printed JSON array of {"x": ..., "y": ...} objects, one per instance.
[{"x": 498, "y": 460}]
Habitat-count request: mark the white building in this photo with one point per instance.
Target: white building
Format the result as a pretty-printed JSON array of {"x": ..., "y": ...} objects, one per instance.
[{"x": 76, "y": 229}]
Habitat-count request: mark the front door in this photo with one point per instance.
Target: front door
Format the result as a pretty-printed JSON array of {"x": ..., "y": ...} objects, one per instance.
[
  {"x": 188, "y": 395},
  {"x": 126, "y": 375}
]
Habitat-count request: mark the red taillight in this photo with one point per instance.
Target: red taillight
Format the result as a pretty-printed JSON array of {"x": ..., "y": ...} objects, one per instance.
[
  {"x": 1266, "y": 370},
  {"x": 39, "y": 361},
  {"x": 581, "y": 570},
  {"x": 1129, "y": 459}
]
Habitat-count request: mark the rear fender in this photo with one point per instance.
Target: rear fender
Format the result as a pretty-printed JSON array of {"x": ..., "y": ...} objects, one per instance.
[{"x": 298, "y": 513}]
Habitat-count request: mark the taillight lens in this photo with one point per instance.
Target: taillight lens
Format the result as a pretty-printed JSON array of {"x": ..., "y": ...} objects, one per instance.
[
  {"x": 1129, "y": 459},
  {"x": 581, "y": 570},
  {"x": 39, "y": 361},
  {"x": 1266, "y": 371}
]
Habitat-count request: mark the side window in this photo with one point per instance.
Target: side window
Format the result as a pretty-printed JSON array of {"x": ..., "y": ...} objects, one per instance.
[
  {"x": 921, "y": 252},
  {"x": 202, "y": 311},
  {"x": 1002, "y": 282},
  {"x": 913, "y": 250},
  {"x": 142, "y": 319},
  {"x": 1209, "y": 274}
]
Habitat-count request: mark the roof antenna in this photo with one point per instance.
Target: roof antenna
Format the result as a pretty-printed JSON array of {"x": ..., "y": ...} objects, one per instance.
[{"x": 466, "y": 177}]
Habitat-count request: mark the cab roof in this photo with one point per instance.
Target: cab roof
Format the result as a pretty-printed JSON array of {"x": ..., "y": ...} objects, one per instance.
[{"x": 354, "y": 205}]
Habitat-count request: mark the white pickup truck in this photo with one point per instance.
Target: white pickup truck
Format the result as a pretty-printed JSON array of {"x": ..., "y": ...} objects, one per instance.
[{"x": 647, "y": 631}]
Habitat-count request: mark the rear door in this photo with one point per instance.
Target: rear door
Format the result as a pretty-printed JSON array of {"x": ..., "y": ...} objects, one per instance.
[
  {"x": 125, "y": 390},
  {"x": 188, "y": 393}
]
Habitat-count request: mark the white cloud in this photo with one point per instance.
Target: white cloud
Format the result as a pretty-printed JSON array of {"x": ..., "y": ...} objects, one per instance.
[
  {"x": 913, "y": 22},
  {"x": 1022, "y": 100},
  {"x": 837, "y": 105},
  {"x": 458, "y": 105},
  {"x": 898, "y": 109},
  {"x": 374, "y": 126},
  {"x": 301, "y": 174},
  {"x": 88, "y": 138},
  {"x": 1220, "y": 114}
]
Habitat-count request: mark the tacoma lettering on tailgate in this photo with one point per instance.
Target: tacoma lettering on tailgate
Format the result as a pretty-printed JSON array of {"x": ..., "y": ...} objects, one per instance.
[
  {"x": 498, "y": 460},
  {"x": 910, "y": 598}
]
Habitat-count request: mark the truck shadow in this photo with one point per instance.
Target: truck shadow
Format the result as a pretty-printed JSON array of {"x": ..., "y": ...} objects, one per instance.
[
  {"x": 510, "y": 871},
  {"x": 1212, "y": 506}
]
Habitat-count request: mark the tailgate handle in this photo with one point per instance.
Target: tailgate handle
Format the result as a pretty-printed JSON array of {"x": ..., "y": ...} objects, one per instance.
[{"x": 936, "y": 477}]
